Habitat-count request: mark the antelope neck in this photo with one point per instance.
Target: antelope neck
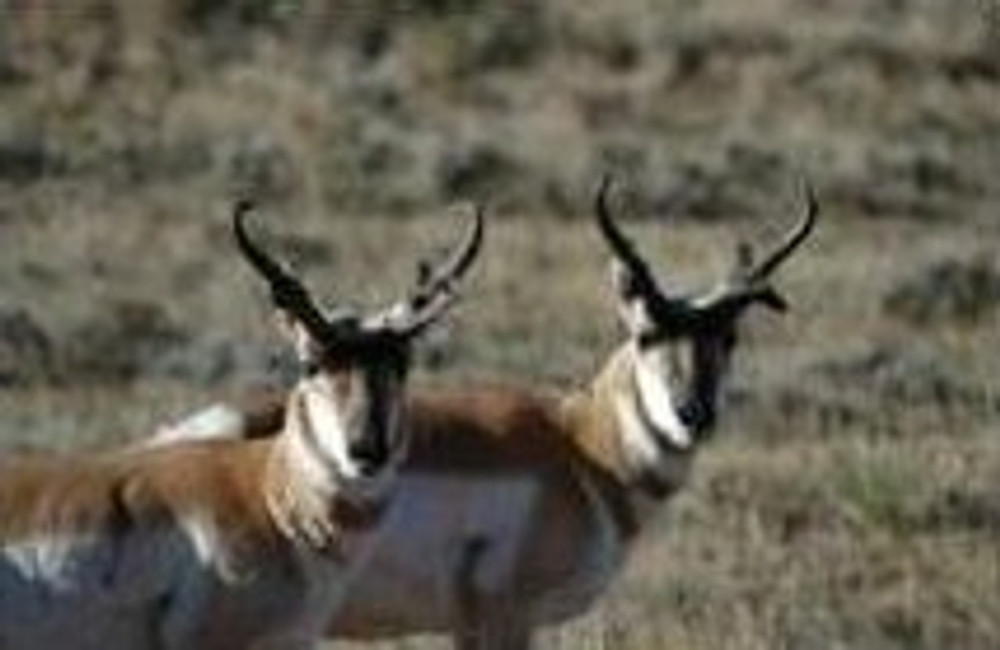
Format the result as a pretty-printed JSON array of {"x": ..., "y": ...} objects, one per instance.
[
  {"x": 309, "y": 499},
  {"x": 625, "y": 434}
]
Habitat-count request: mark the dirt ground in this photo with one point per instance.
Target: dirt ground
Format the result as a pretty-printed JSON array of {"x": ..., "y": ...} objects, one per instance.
[{"x": 852, "y": 496}]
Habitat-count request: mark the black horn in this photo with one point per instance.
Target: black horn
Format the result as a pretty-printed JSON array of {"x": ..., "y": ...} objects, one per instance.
[
  {"x": 435, "y": 290},
  {"x": 435, "y": 279},
  {"x": 287, "y": 292},
  {"x": 641, "y": 281},
  {"x": 763, "y": 269},
  {"x": 750, "y": 282},
  {"x": 621, "y": 246}
]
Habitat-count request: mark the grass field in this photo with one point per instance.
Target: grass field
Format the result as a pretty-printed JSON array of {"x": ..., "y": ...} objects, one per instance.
[{"x": 852, "y": 497}]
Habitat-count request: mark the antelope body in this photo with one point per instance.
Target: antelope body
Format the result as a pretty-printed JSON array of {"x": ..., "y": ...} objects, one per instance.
[
  {"x": 517, "y": 506},
  {"x": 221, "y": 543},
  {"x": 178, "y": 548}
]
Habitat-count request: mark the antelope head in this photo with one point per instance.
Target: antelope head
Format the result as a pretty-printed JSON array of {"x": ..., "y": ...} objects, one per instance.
[
  {"x": 680, "y": 346},
  {"x": 353, "y": 366}
]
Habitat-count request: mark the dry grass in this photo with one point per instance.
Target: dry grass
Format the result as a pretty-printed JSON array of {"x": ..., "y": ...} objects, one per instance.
[{"x": 852, "y": 499}]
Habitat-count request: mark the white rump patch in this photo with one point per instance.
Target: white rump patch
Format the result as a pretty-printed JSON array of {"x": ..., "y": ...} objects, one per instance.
[{"x": 217, "y": 422}]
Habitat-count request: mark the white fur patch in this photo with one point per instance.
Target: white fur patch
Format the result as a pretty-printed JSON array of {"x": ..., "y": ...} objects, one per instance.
[
  {"x": 656, "y": 400},
  {"x": 641, "y": 448},
  {"x": 328, "y": 434},
  {"x": 326, "y": 465},
  {"x": 217, "y": 422},
  {"x": 70, "y": 591},
  {"x": 204, "y": 535}
]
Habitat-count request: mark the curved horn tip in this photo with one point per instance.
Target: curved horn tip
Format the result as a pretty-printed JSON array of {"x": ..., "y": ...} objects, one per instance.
[
  {"x": 479, "y": 220},
  {"x": 462, "y": 257},
  {"x": 604, "y": 187},
  {"x": 469, "y": 250},
  {"x": 620, "y": 243},
  {"x": 812, "y": 209},
  {"x": 437, "y": 279},
  {"x": 244, "y": 204},
  {"x": 605, "y": 184},
  {"x": 811, "y": 201},
  {"x": 241, "y": 207},
  {"x": 808, "y": 220}
]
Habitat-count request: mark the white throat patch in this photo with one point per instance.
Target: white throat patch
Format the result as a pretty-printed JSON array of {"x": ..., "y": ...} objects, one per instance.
[
  {"x": 329, "y": 463},
  {"x": 654, "y": 398},
  {"x": 328, "y": 436}
]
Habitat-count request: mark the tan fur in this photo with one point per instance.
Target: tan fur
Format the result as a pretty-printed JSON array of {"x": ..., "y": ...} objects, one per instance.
[
  {"x": 517, "y": 507},
  {"x": 224, "y": 543},
  {"x": 45, "y": 495},
  {"x": 566, "y": 442},
  {"x": 260, "y": 567}
]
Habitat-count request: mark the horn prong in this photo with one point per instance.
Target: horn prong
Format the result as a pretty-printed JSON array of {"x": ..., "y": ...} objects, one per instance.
[
  {"x": 435, "y": 291},
  {"x": 750, "y": 281}
]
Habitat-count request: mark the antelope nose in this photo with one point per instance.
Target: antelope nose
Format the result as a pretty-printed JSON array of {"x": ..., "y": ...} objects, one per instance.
[
  {"x": 698, "y": 414},
  {"x": 369, "y": 454}
]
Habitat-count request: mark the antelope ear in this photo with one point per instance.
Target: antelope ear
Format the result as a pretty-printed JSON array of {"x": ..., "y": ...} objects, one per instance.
[
  {"x": 632, "y": 307},
  {"x": 625, "y": 283},
  {"x": 284, "y": 322},
  {"x": 292, "y": 330}
]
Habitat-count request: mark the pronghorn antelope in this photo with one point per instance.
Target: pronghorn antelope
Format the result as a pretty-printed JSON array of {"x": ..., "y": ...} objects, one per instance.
[
  {"x": 223, "y": 544},
  {"x": 516, "y": 507}
]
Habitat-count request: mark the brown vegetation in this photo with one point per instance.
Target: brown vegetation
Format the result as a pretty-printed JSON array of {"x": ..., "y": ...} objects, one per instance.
[{"x": 852, "y": 498}]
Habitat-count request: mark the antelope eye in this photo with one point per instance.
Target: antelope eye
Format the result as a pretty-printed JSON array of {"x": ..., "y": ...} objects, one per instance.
[
  {"x": 311, "y": 367},
  {"x": 660, "y": 335},
  {"x": 398, "y": 358},
  {"x": 649, "y": 339}
]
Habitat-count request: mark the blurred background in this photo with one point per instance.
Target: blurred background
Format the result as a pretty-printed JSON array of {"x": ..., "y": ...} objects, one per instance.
[{"x": 852, "y": 496}]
